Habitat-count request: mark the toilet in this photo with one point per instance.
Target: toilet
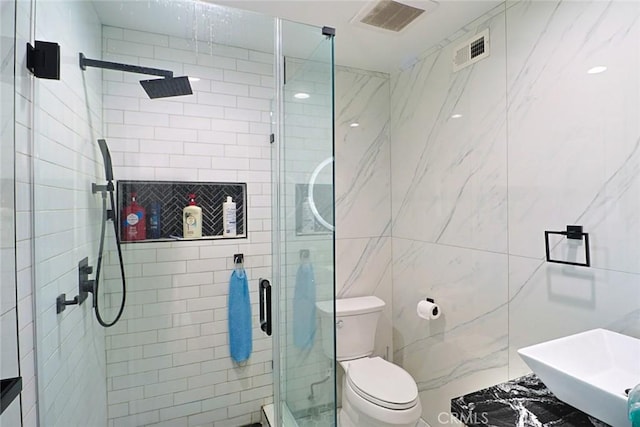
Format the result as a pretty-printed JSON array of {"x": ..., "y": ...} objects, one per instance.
[{"x": 375, "y": 393}]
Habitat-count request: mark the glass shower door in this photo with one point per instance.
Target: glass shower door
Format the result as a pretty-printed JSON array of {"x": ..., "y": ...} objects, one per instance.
[{"x": 303, "y": 229}]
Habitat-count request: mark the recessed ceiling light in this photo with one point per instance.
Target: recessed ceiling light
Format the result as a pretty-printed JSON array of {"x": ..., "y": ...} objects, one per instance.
[
  {"x": 456, "y": 116},
  {"x": 194, "y": 79},
  {"x": 597, "y": 70},
  {"x": 354, "y": 124},
  {"x": 301, "y": 95}
]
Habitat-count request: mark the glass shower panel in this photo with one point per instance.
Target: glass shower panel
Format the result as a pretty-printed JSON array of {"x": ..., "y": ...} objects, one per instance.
[
  {"x": 8, "y": 304},
  {"x": 306, "y": 238},
  {"x": 167, "y": 359},
  {"x": 67, "y": 120}
]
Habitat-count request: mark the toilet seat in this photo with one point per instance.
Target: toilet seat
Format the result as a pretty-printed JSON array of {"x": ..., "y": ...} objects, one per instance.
[{"x": 382, "y": 383}]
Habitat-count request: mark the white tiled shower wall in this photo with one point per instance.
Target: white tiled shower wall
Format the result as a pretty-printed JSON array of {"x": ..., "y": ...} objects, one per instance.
[{"x": 168, "y": 359}]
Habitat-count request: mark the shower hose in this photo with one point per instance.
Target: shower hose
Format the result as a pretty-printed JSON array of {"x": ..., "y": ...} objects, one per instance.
[{"x": 106, "y": 216}]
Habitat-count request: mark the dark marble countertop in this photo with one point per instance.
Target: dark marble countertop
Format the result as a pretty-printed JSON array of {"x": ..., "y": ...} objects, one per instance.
[{"x": 521, "y": 402}]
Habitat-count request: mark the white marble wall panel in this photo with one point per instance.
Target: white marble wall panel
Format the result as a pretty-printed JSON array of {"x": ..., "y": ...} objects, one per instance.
[
  {"x": 449, "y": 173},
  {"x": 571, "y": 155},
  {"x": 363, "y": 267},
  {"x": 449, "y": 197},
  {"x": 466, "y": 348},
  {"x": 363, "y": 193},
  {"x": 549, "y": 301},
  {"x": 574, "y": 137}
]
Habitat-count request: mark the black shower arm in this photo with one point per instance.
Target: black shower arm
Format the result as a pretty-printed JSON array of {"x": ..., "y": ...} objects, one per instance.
[{"x": 86, "y": 62}]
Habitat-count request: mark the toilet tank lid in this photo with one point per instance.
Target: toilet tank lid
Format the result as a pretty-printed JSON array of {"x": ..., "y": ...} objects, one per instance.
[{"x": 351, "y": 306}]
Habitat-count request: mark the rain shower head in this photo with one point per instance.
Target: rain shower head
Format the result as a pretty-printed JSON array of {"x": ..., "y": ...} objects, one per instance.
[
  {"x": 155, "y": 88},
  {"x": 169, "y": 86}
]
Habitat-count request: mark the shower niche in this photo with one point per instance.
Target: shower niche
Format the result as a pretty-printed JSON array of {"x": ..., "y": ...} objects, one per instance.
[{"x": 163, "y": 201}]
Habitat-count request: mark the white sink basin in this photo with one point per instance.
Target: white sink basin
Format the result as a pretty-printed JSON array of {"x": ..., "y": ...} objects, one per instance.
[{"x": 590, "y": 371}]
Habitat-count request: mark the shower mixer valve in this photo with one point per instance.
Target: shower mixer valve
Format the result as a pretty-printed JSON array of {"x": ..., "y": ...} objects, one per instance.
[{"x": 85, "y": 285}]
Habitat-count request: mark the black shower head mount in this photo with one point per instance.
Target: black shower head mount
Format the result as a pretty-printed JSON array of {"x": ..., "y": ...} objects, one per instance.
[
  {"x": 108, "y": 171},
  {"x": 155, "y": 88}
]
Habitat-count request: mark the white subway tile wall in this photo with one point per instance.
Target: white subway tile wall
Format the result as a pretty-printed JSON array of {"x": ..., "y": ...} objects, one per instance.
[{"x": 168, "y": 359}]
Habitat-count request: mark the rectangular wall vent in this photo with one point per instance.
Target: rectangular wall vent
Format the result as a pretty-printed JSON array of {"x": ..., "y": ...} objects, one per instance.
[
  {"x": 390, "y": 15},
  {"x": 471, "y": 51}
]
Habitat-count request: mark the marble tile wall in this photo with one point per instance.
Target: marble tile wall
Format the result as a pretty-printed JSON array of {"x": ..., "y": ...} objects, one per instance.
[
  {"x": 449, "y": 193},
  {"x": 540, "y": 144},
  {"x": 574, "y": 158},
  {"x": 363, "y": 193}
]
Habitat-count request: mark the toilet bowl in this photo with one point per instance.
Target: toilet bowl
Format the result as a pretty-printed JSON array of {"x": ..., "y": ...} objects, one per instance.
[
  {"x": 375, "y": 392},
  {"x": 378, "y": 393}
]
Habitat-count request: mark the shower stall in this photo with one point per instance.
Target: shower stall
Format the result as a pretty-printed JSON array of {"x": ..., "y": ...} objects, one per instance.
[{"x": 241, "y": 106}]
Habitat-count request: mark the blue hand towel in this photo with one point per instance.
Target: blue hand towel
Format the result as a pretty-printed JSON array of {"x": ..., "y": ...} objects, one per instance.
[
  {"x": 240, "y": 343},
  {"x": 304, "y": 307}
]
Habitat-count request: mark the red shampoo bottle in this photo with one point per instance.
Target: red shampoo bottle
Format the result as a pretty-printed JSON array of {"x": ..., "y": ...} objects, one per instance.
[{"x": 134, "y": 221}]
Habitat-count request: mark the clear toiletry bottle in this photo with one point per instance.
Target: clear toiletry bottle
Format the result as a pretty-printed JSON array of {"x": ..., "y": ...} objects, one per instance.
[
  {"x": 229, "y": 218},
  {"x": 633, "y": 406},
  {"x": 192, "y": 219}
]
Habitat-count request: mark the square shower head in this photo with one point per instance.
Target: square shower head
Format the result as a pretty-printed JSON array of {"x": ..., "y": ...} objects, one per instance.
[{"x": 166, "y": 87}]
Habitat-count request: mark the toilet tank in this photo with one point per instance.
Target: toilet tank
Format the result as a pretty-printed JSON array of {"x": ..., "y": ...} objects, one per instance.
[{"x": 355, "y": 326}]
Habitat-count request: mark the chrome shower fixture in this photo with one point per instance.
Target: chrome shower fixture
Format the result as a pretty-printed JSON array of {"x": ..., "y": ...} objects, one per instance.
[{"x": 155, "y": 88}]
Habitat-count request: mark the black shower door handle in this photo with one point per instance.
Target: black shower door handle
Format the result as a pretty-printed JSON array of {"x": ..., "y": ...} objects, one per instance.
[{"x": 265, "y": 306}]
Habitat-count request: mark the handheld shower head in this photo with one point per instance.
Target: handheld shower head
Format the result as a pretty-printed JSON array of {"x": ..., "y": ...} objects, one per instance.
[{"x": 108, "y": 169}]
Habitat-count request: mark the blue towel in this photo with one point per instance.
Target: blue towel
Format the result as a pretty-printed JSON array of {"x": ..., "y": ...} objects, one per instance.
[
  {"x": 240, "y": 343},
  {"x": 304, "y": 307}
]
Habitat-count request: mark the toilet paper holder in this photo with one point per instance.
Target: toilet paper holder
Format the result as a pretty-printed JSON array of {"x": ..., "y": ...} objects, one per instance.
[{"x": 432, "y": 301}]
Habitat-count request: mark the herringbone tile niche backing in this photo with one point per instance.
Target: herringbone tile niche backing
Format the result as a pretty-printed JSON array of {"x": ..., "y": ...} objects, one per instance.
[{"x": 173, "y": 196}]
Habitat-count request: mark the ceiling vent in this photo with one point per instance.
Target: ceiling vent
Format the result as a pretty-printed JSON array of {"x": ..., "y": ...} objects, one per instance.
[
  {"x": 471, "y": 51},
  {"x": 392, "y": 15}
]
